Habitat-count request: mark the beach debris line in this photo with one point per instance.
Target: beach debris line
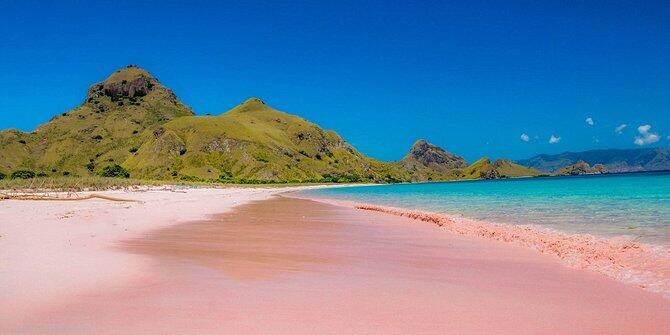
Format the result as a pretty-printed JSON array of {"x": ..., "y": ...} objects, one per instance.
[
  {"x": 426, "y": 217},
  {"x": 67, "y": 197}
]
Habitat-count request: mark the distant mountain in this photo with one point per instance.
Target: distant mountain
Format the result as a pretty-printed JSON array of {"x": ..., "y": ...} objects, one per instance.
[
  {"x": 130, "y": 124},
  {"x": 614, "y": 160}
]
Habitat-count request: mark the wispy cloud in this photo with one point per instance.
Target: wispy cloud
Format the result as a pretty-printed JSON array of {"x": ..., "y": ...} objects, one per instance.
[
  {"x": 554, "y": 139},
  {"x": 589, "y": 121},
  {"x": 525, "y": 137},
  {"x": 618, "y": 130},
  {"x": 645, "y": 137}
]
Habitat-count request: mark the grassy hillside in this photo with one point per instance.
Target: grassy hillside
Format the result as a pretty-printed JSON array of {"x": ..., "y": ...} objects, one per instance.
[
  {"x": 101, "y": 131},
  {"x": 132, "y": 126},
  {"x": 252, "y": 143},
  {"x": 502, "y": 168}
]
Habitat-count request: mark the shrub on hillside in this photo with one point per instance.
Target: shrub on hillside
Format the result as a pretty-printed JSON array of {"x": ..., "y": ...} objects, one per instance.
[
  {"x": 340, "y": 178},
  {"x": 226, "y": 176},
  {"x": 115, "y": 171},
  {"x": 391, "y": 179},
  {"x": 23, "y": 174},
  {"x": 2, "y": 176}
]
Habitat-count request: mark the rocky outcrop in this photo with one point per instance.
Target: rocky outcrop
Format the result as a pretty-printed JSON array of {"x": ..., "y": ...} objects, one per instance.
[
  {"x": 137, "y": 87},
  {"x": 130, "y": 86},
  {"x": 432, "y": 156},
  {"x": 490, "y": 174},
  {"x": 580, "y": 168}
]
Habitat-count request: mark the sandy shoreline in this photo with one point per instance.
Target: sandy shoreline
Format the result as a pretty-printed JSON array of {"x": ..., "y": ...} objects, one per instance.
[
  {"x": 242, "y": 261},
  {"x": 622, "y": 259},
  {"x": 50, "y": 250}
]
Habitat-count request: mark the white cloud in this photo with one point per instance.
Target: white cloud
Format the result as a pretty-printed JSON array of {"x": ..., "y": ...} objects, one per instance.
[
  {"x": 645, "y": 136},
  {"x": 589, "y": 121},
  {"x": 618, "y": 130},
  {"x": 525, "y": 137},
  {"x": 554, "y": 139}
]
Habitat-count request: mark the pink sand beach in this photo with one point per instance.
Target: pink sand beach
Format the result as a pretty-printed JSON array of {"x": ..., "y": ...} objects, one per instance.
[{"x": 246, "y": 261}]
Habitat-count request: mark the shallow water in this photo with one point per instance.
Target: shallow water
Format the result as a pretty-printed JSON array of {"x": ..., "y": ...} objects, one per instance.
[{"x": 636, "y": 204}]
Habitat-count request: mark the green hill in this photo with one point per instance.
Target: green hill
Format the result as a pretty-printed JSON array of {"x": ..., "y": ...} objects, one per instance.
[
  {"x": 100, "y": 132},
  {"x": 133, "y": 121},
  {"x": 501, "y": 168},
  {"x": 251, "y": 143}
]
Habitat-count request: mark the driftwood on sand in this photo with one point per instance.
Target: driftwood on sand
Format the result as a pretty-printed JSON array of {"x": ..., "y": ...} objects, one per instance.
[{"x": 68, "y": 197}]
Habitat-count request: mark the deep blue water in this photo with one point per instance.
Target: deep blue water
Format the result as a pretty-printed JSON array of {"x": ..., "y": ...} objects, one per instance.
[{"x": 636, "y": 204}]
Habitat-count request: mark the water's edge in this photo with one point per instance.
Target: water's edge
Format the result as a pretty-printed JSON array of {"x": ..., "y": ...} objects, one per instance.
[{"x": 644, "y": 265}]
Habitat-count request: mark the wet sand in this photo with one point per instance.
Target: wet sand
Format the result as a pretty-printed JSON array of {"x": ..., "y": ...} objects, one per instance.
[{"x": 294, "y": 266}]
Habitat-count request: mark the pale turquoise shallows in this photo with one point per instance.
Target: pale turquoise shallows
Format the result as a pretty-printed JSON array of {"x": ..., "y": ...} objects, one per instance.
[{"x": 636, "y": 204}]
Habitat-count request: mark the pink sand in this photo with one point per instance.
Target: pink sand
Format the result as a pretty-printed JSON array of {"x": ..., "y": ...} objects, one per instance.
[
  {"x": 645, "y": 266},
  {"x": 51, "y": 251},
  {"x": 291, "y": 266}
]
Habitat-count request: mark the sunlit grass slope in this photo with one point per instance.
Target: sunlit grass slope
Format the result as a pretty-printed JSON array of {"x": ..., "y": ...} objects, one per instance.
[{"x": 131, "y": 120}]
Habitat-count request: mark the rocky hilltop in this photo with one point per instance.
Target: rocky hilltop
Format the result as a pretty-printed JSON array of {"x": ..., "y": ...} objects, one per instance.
[
  {"x": 102, "y": 131},
  {"x": 432, "y": 156},
  {"x": 132, "y": 125},
  {"x": 581, "y": 168}
]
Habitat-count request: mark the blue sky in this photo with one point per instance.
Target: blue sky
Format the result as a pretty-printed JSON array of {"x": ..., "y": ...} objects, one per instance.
[{"x": 469, "y": 76}]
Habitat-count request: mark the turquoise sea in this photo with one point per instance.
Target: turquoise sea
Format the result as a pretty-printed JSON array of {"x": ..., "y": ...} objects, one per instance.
[{"x": 635, "y": 204}]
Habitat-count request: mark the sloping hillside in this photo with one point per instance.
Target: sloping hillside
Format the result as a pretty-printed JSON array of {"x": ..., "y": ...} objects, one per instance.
[
  {"x": 253, "y": 142},
  {"x": 102, "y": 131},
  {"x": 426, "y": 161},
  {"x": 501, "y": 168},
  {"x": 130, "y": 124}
]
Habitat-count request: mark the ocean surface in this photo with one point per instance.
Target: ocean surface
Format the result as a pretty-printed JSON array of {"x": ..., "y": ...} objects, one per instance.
[{"x": 635, "y": 205}]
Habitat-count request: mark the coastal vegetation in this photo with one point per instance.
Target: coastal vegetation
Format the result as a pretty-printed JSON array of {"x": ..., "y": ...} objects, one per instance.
[{"x": 132, "y": 127}]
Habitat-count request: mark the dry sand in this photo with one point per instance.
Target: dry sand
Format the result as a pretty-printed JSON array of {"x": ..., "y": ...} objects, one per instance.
[
  {"x": 51, "y": 251},
  {"x": 287, "y": 266}
]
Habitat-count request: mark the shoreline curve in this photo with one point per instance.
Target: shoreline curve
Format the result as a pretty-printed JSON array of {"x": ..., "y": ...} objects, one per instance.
[{"x": 643, "y": 265}]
